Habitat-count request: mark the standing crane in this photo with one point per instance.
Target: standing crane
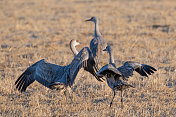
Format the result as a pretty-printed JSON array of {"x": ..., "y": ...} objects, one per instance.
[
  {"x": 97, "y": 44},
  {"x": 115, "y": 76}
]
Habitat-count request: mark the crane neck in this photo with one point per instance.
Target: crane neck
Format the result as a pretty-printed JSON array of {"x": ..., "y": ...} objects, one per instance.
[
  {"x": 111, "y": 57},
  {"x": 73, "y": 49},
  {"x": 97, "y": 32}
]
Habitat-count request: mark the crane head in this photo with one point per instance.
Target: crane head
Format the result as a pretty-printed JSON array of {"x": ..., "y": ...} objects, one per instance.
[
  {"x": 108, "y": 48},
  {"x": 93, "y": 19},
  {"x": 74, "y": 42}
]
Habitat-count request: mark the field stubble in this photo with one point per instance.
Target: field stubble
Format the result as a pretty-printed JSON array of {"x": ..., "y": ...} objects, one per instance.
[{"x": 33, "y": 30}]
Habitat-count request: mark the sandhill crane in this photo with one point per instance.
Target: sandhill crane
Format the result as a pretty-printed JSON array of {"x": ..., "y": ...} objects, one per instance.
[
  {"x": 97, "y": 44},
  {"x": 115, "y": 76},
  {"x": 55, "y": 76},
  {"x": 91, "y": 66}
]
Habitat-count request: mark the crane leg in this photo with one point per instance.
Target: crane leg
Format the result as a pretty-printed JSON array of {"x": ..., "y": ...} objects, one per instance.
[
  {"x": 112, "y": 98},
  {"x": 121, "y": 99},
  {"x": 68, "y": 93}
]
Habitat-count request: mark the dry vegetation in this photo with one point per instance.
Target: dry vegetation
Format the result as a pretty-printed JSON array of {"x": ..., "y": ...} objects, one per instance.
[{"x": 35, "y": 29}]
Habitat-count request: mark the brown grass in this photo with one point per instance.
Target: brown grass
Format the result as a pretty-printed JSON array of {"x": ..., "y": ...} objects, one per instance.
[{"x": 36, "y": 29}]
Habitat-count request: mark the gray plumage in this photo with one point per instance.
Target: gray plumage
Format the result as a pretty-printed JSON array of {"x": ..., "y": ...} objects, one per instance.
[
  {"x": 91, "y": 66},
  {"x": 55, "y": 76},
  {"x": 97, "y": 44},
  {"x": 115, "y": 76}
]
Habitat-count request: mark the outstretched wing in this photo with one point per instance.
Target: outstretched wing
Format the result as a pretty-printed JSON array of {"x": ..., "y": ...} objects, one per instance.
[
  {"x": 81, "y": 60},
  {"x": 126, "y": 71},
  {"x": 45, "y": 73},
  {"x": 145, "y": 70},
  {"x": 26, "y": 78},
  {"x": 130, "y": 66},
  {"x": 109, "y": 69}
]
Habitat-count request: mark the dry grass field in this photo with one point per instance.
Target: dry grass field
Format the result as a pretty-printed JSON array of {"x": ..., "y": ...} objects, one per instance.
[{"x": 31, "y": 30}]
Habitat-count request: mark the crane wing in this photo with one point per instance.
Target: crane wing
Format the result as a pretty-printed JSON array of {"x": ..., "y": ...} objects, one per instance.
[
  {"x": 126, "y": 71},
  {"x": 84, "y": 60},
  {"x": 26, "y": 78},
  {"x": 79, "y": 61},
  {"x": 109, "y": 69},
  {"x": 47, "y": 73},
  {"x": 42, "y": 71},
  {"x": 130, "y": 66}
]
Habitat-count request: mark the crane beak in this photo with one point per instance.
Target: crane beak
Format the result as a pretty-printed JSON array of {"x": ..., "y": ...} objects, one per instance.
[
  {"x": 88, "y": 20},
  {"x": 104, "y": 50},
  {"x": 78, "y": 43}
]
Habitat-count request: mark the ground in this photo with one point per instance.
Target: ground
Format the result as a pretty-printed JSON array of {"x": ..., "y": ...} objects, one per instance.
[{"x": 140, "y": 30}]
